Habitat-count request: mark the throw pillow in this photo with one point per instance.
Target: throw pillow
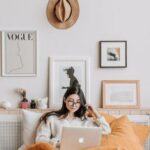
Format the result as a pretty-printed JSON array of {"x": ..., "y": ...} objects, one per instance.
[
  {"x": 122, "y": 135},
  {"x": 109, "y": 118},
  {"x": 30, "y": 122},
  {"x": 141, "y": 131}
]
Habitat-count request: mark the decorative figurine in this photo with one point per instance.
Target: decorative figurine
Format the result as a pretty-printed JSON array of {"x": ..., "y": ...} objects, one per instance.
[{"x": 33, "y": 104}]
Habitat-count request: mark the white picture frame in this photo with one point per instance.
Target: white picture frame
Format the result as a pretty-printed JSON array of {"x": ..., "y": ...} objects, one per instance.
[
  {"x": 58, "y": 77},
  {"x": 121, "y": 93},
  {"x": 19, "y": 53}
]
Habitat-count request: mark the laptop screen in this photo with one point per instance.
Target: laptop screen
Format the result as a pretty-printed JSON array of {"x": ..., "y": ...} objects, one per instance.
[{"x": 77, "y": 138}]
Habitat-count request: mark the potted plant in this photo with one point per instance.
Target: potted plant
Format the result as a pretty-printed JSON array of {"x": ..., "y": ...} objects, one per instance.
[{"x": 24, "y": 102}]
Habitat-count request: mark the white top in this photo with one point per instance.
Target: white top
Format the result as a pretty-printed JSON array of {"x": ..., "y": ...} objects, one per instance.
[{"x": 51, "y": 131}]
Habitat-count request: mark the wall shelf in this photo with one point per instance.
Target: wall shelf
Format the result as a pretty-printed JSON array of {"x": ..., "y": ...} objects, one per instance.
[{"x": 109, "y": 111}]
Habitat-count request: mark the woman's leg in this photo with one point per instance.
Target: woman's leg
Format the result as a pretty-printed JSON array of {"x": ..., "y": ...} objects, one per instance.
[{"x": 40, "y": 146}]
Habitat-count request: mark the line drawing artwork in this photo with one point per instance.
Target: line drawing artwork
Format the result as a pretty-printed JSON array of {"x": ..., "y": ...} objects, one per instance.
[
  {"x": 19, "y": 53},
  {"x": 20, "y": 65}
]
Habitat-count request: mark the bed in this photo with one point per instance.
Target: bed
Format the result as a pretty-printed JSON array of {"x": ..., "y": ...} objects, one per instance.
[{"x": 11, "y": 130}]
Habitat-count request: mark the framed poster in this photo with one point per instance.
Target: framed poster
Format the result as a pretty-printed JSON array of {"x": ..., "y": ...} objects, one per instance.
[
  {"x": 120, "y": 94},
  {"x": 113, "y": 54},
  {"x": 19, "y": 53},
  {"x": 63, "y": 73}
]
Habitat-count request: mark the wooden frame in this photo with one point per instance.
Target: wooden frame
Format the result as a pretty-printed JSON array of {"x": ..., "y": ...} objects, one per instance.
[
  {"x": 59, "y": 78},
  {"x": 113, "y": 54},
  {"x": 120, "y": 94},
  {"x": 19, "y": 53}
]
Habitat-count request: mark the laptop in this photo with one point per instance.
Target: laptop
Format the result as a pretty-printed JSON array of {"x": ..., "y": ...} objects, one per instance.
[{"x": 78, "y": 138}]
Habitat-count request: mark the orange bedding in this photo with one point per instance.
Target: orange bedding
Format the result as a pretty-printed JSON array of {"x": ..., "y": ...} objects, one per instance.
[
  {"x": 124, "y": 136},
  {"x": 106, "y": 148},
  {"x": 121, "y": 138},
  {"x": 45, "y": 146},
  {"x": 141, "y": 131},
  {"x": 40, "y": 146}
]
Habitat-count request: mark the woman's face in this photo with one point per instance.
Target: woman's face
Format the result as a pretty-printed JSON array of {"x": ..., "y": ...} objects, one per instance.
[{"x": 73, "y": 103}]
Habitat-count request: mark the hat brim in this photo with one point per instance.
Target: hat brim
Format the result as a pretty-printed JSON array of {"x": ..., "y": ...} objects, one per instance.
[{"x": 55, "y": 22}]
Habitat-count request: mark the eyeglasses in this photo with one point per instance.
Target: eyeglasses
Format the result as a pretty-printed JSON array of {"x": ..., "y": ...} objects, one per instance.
[{"x": 72, "y": 102}]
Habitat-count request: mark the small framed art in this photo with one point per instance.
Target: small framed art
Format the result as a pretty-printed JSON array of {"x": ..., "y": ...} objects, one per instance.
[
  {"x": 120, "y": 94},
  {"x": 19, "y": 53},
  {"x": 113, "y": 54},
  {"x": 65, "y": 72}
]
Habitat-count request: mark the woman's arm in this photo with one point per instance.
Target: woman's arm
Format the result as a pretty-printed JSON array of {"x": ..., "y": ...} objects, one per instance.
[
  {"x": 44, "y": 134},
  {"x": 99, "y": 120}
]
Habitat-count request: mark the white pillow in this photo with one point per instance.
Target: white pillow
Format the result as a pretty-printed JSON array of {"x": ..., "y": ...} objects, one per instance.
[
  {"x": 30, "y": 122},
  {"x": 22, "y": 147}
]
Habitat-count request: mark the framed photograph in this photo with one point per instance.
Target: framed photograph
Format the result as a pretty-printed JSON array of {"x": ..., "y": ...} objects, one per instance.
[
  {"x": 19, "y": 53},
  {"x": 113, "y": 54},
  {"x": 65, "y": 72},
  {"x": 120, "y": 94}
]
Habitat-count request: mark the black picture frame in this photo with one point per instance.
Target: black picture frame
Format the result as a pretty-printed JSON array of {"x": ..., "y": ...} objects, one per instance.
[{"x": 113, "y": 54}]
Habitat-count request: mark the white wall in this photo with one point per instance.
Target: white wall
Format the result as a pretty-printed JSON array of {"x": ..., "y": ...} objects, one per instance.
[{"x": 99, "y": 20}]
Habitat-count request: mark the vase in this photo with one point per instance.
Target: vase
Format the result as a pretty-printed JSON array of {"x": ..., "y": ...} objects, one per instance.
[{"x": 24, "y": 104}]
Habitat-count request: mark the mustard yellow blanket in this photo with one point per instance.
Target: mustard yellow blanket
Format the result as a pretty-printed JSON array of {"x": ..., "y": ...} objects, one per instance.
[{"x": 122, "y": 137}]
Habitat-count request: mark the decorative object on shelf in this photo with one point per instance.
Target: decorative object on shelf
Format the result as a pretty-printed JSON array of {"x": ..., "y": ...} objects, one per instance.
[
  {"x": 113, "y": 54},
  {"x": 19, "y": 53},
  {"x": 5, "y": 104},
  {"x": 121, "y": 93},
  {"x": 24, "y": 103},
  {"x": 42, "y": 103},
  {"x": 33, "y": 104},
  {"x": 62, "y": 14},
  {"x": 65, "y": 72}
]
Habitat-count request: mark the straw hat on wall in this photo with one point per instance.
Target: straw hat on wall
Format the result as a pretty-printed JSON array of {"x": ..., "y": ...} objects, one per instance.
[{"x": 62, "y": 14}]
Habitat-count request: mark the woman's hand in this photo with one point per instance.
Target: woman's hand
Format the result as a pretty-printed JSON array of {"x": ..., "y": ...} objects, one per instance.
[
  {"x": 92, "y": 112},
  {"x": 58, "y": 145}
]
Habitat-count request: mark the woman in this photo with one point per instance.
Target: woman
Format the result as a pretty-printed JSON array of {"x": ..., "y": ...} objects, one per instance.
[{"x": 72, "y": 114}]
